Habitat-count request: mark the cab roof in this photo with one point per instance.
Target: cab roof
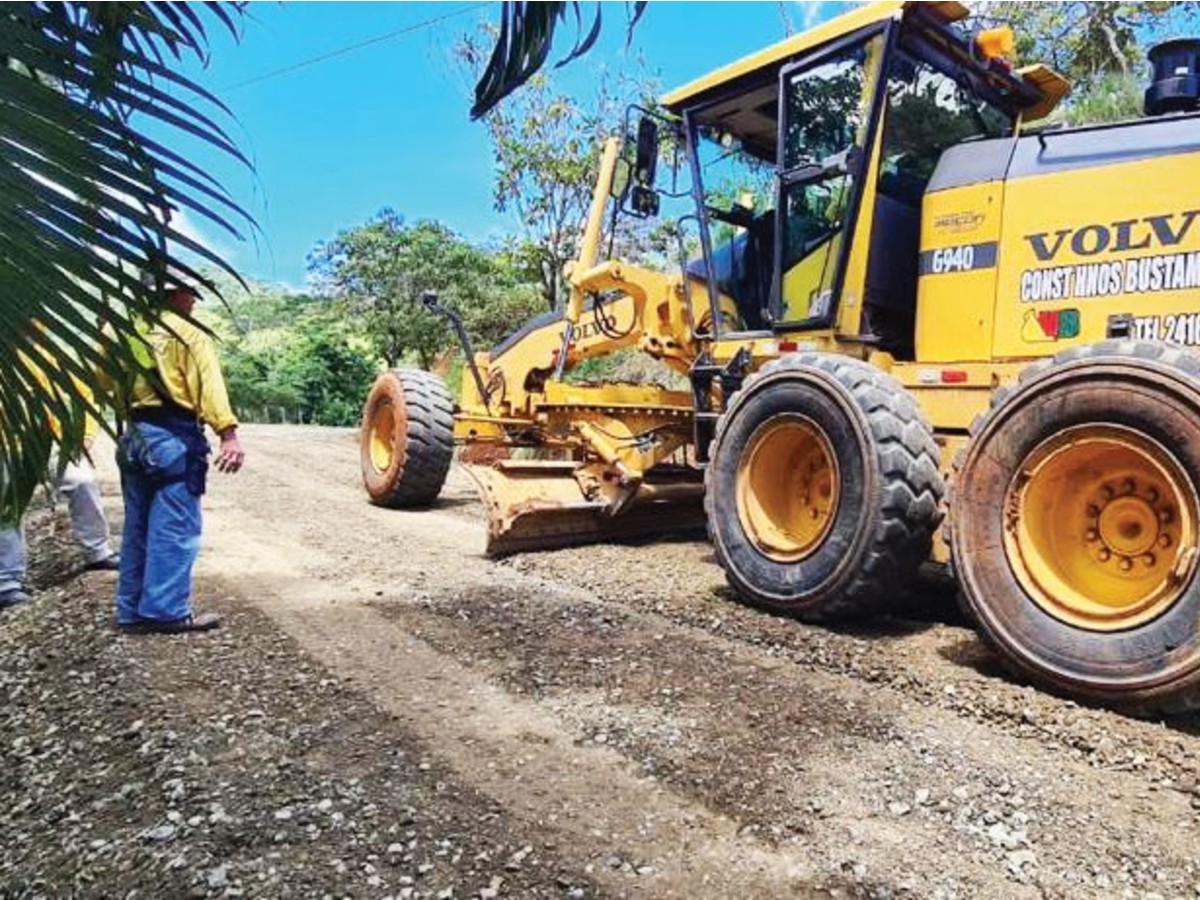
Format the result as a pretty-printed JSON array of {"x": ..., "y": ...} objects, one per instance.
[{"x": 770, "y": 57}]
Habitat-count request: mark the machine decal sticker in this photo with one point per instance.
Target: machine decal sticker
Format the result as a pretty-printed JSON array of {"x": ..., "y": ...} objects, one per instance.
[
  {"x": 1073, "y": 275},
  {"x": 1045, "y": 325},
  {"x": 959, "y": 222},
  {"x": 964, "y": 258},
  {"x": 1144, "y": 275},
  {"x": 1176, "y": 328}
]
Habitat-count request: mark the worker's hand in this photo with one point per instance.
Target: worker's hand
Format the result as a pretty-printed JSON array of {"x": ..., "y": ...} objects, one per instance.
[{"x": 231, "y": 457}]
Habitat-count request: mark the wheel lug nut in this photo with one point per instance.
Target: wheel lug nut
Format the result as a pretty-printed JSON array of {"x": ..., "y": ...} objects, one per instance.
[
  {"x": 1093, "y": 511},
  {"x": 1105, "y": 554},
  {"x": 1106, "y": 492},
  {"x": 1152, "y": 495},
  {"x": 1130, "y": 485},
  {"x": 1149, "y": 559},
  {"x": 1165, "y": 515},
  {"x": 1164, "y": 540},
  {"x": 1091, "y": 534},
  {"x": 1126, "y": 564}
]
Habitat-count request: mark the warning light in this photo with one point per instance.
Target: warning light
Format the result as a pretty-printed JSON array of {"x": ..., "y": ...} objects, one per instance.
[{"x": 995, "y": 43}]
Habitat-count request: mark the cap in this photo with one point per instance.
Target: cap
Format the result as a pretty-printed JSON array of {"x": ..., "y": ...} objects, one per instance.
[{"x": 173, "y": 279}]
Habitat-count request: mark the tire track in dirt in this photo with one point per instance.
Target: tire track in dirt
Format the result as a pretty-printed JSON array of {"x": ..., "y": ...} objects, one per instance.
[{"x": 509, "y": 748}]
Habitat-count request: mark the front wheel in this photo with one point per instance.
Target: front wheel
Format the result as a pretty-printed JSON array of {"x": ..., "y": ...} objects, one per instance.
[
  {"x": 406, "y": 438},
  {"x": 1076, "y": 517},
  {"x": 823, "y": 489}
]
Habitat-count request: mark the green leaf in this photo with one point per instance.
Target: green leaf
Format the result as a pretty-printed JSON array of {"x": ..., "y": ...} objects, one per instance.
[{"x": 523, "y": 44}]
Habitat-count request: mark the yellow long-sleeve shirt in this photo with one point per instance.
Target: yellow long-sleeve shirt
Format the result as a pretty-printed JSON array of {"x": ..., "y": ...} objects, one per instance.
[
  {"x": 189, "y": 371},
  {"x": 38, "y": 368}
]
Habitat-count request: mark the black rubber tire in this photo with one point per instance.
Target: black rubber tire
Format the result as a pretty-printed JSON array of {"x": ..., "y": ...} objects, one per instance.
[
  {"x": 422, "y": 438},
  {"x": 890, "y": 488},
  {"x": 1153, "y": 388}
]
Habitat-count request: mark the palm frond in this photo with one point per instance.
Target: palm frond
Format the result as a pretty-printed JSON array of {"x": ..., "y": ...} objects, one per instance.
[
  {"x": 523, "y": 44},
  {"x": 88, "y": 201}
]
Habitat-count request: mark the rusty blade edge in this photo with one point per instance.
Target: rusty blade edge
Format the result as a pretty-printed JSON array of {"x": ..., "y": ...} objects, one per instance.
[{"x": 551, "y": 529}]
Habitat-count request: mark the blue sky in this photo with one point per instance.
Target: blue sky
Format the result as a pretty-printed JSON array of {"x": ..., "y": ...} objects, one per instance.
[{"x": 388, "y": 125}]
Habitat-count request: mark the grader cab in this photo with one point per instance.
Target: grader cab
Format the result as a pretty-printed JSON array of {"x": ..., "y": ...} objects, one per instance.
[{"x": 916, "y": 329}]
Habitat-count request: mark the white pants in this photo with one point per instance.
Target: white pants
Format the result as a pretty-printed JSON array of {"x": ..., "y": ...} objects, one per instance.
[{"x": 90, "y": 527}]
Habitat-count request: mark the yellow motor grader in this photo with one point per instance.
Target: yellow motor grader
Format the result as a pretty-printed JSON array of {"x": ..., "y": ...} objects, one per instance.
[{"x": 910, "y": 313}]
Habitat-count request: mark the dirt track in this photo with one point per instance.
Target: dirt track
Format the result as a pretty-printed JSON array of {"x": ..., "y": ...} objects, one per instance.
[{"x": 618, "y": 726}]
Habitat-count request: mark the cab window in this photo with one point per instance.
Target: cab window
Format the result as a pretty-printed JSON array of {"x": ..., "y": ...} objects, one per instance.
[
  {"x": 927, "y": 112},
  {"x": 826, "y": 112}
]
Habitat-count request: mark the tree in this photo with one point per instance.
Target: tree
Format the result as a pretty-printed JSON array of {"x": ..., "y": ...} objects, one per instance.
[
  {"x": 258, "y": 325},
  {"x": 251, "y": 373},
  {"x": 379, "y": 270},
  {"x": 85, "y": 199},
  {"x": 508, "y": 300},
  {"x": 1084, "y": 40},
  {"x": 545, "y": 148}
]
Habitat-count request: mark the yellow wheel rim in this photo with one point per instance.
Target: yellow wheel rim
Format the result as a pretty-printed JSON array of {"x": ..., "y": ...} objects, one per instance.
[
  {"x": 787, "y": 488},
  {"x": 383, "y": 435},
  {"x": 1100, "y": 527}
]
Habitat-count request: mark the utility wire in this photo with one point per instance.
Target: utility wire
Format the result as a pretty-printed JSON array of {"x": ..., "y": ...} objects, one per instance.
[{"x": 342, "y": 51}]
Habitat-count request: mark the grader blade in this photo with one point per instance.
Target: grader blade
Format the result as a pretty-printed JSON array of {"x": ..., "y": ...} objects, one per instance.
[{"x": 540, "y": 505}]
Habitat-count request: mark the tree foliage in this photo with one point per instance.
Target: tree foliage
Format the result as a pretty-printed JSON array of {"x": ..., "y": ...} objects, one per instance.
[
  {"x": 1100, "y": 46},
  {"x": 379, "y": 270},
  {"x": 289, "y": 356},
  {"x": 1083, "y": 39},
  {"x": 85, "y": 199},
  {"x": 545, "y": 147},
  {"x": 327, "y": 376}
]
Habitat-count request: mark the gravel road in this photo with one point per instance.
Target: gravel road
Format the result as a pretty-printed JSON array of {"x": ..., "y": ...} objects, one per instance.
[{"x": 389, "y": 714}]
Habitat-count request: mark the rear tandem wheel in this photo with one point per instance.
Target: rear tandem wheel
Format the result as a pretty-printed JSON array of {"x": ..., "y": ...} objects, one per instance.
[{"x": 1076, "y": 517}]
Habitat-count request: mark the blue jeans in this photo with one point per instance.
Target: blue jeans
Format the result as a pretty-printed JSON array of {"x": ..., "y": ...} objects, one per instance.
[
  {"x": 13, "y": 559},
  {"x": 161, "y": 539}
]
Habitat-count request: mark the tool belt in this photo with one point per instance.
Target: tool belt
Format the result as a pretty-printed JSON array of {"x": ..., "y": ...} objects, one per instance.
[{"x": 135, "y": 456}]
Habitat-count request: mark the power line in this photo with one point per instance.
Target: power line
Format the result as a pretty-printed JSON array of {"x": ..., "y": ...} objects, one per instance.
[{"x": 342, "y": 51}]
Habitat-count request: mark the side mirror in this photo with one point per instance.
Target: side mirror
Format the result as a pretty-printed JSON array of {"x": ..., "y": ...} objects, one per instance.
[
  {"x": 647, "y": 153},
  {"x": 643, "y": 200}
]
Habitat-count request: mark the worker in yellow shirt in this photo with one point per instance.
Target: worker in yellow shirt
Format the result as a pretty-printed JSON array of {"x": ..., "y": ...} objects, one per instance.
[
  {"x": 163, "y": 458},
  {"x": 76, "y": 481}
]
